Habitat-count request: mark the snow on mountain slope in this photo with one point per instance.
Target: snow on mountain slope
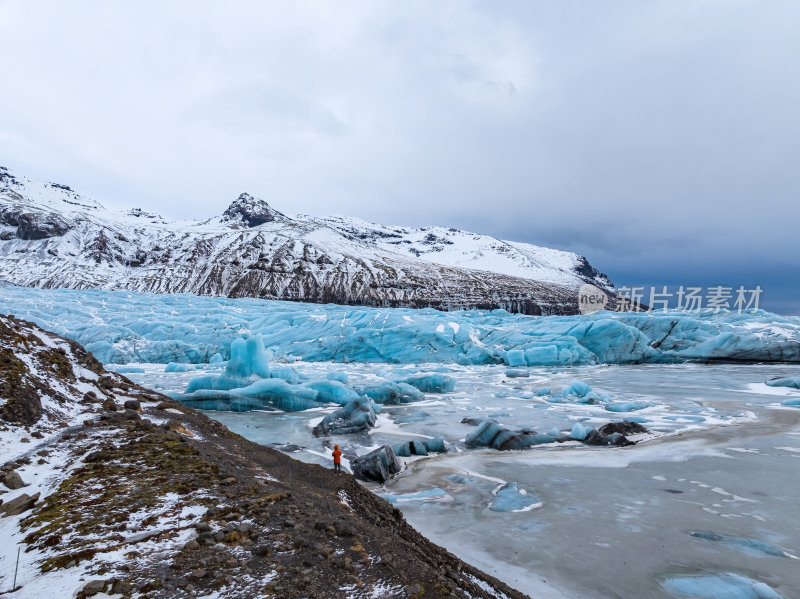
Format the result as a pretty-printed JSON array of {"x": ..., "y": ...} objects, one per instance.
[{"x": 52, "y": 237}]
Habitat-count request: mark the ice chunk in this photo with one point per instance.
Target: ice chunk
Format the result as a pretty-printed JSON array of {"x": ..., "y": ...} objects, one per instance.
[
  {"x": 516, "y": 357},
  {"x": 392, "y": 393},
  {"x": 794, "y": 403},
  {"x": 129, "y": 370},
  {"x": 627, "y": 406},
  {"x": 743, "y": 544},
  {"x": 280, "y": 394},
  {"x": 515, "y": 373},
  {"x": 332, "y": 392},
  {"x": 216, "y": 359},
  {"x": 378, "y": 465},
  {"x": 579, "y": 431},
  {"x": 415, "y": 417},
  {"x": 357, "y": 416},
  {"x": 432, "y": 383},
  {"x": 337, "y": 376},
  {"x": 724, "y": 585},
  {"x": 785, "y": 382},
  {"x": 490, "y": 434},
  {"x": 221, "y": 401},
  {"x": 410, "y": 448},
  {"x": 248, "y": 358},
  {"x": 576, "y": 389},
  {"x": 215, "y": 382},
  {"x": 177, "y": 367},
  {"x": 509, "y": 498},
  {"x": 287, "y": 373}
]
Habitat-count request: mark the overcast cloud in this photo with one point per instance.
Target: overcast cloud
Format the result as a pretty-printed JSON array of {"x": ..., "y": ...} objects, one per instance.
[{"x": 659, "y": 138}]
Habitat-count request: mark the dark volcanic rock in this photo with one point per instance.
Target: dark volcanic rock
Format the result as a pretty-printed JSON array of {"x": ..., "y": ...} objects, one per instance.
[
  {"x": 378, "y": 465},
  {"x": 252, "y": 211},
  {"x": 623, "y": 428},
  {"x": 12, "y": 480},
  {"x": 595, "y": 437},
  {"x": 19, "y": 504},
  {"x": 40, "y": 226}
]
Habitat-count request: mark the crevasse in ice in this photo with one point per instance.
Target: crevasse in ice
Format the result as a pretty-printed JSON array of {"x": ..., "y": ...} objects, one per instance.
[{"x": 121, "y": 327}]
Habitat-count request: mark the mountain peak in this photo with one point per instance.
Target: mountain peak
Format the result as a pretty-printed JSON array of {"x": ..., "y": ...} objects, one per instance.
[{"x": 251, "y": 211}]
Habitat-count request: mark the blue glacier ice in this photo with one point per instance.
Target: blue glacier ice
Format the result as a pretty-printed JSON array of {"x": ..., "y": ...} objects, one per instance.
[
  {"x": 432, "y": 383},
  {"x": 579, "y": 431},
  {"x": 489, "y": 433},
  {"x": 509, "y": 498},
  {"x": 792, "y": 381},
  {"x": 332, "y": 392},
  {"x": 263, "y": 394},
  {"x": 793, "y": 403},
  {"x": 338, "y": 376},
  {"x": 355, "y": 417},
  {"x": 743, "y": 544},
  {"x": 390, "y": 393},
  {"x": 122, "y": 326},
  {"x": 724, "y": 585},
  {"x": 177, "y": 367},
  {"x": 627, "y": 406},
  {"x": 409, "y": 448}
]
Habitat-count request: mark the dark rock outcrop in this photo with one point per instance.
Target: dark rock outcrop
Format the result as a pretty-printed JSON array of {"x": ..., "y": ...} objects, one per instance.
[
  {"x": 355, "y": 417},
  {"x": 378, "y": 465}
]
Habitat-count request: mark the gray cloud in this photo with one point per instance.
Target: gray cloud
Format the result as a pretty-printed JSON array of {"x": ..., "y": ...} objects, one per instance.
[{"x": 659, "y": 138}]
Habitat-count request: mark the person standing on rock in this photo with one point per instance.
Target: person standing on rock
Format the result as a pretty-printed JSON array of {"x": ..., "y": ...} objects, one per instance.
[{"x": 337, "y": 459}]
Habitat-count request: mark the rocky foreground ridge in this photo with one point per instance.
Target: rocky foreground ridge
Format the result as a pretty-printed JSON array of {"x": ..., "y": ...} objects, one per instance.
[
  {"x": 111, "y": 488},
  {"x": 50, "y": 236}
]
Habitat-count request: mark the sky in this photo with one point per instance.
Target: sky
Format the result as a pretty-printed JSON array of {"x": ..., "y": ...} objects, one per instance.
[{"x": 661, "y": 139}]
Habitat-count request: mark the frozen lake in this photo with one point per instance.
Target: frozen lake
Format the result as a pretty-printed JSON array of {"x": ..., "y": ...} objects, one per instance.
[{"x": 705, "y": 506}]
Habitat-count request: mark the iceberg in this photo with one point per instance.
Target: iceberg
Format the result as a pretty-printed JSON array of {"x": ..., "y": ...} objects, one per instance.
[
  {"x": 122, "y": 327},
  {"x": 379, "y": 465},
  {"x": 743, "y": 544},
  {"x": 177, "y": 367},
  {"x": 509, "y": 498},
  {"x": 432, "y": 383},
  {"x": 490, "y": 434},
  {"x": 409, "y": 448},
  {"x": 391, "y": 393},
  {"x": 793, "y": 382},
  {"x": 332, "y": 392},
  {"x": 357, "y": 416}
]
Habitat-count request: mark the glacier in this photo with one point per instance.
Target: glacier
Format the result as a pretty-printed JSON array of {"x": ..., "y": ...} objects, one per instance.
[{"x": 123, "y": 327}]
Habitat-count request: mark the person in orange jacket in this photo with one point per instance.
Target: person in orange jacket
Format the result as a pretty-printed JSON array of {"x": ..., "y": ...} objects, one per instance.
[{"x": 337, "y": 459}]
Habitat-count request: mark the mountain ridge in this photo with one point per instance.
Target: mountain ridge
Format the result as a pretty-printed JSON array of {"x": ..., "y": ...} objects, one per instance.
[{"x": 51, "y": 236}]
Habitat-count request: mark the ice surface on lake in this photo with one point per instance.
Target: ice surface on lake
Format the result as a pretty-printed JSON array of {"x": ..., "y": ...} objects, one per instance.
[
  {"x": 749, "y": 546},
  {"x": 121, "y": 327},
  {"x": 509, "y": 498},
  {"x": 719, "y": 586}
]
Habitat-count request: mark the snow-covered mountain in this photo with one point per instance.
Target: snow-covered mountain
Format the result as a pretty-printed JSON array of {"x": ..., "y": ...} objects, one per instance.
[{"x": 50, "y": 237}]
